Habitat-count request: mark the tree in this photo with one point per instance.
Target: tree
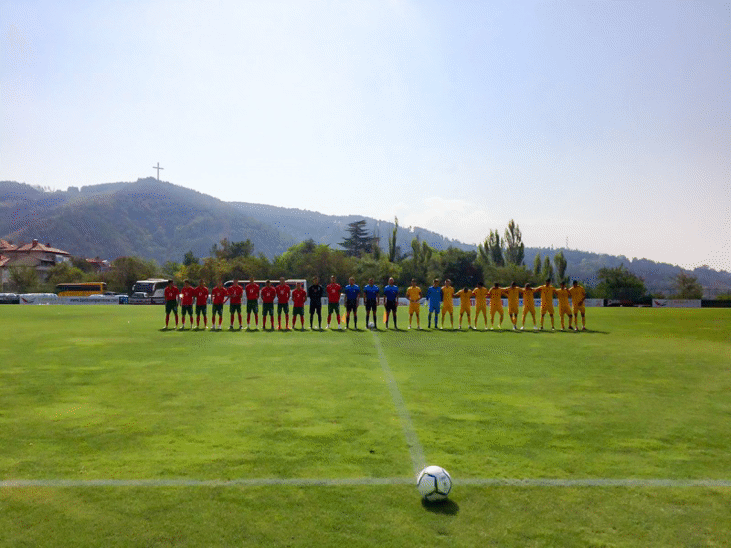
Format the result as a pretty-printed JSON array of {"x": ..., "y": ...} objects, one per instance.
[
  {"x": 170, "y": 269},
  {"x": 189, "y": 259},
  {"x": 559, "y": 261},
  {"x": 421, "y": 253},
  {"x": 82, "y": 264},
  {"x": 495, "y": 249},
  {"x": 232, "y": 250},
  {"x": 491, "y": 251},
  {"x": 537, "y": 267},
  {"x": 212, "y": 269},
  {"x": 127, "y": 270},
  {"x": 547, "y": 270},
  {"x": 392, "y": 242},
  {"x": 307, "y": 259},
  {"x": 686, "y": 286},
  {"x": 24, "y": 278},
  {"x": 459, "y": 266},
  {"x": 378, "y": 269},
  {"x": 376, "y": 248},
  {"x": 63, "y": 273},
  {"x": 514, "y": 247},
  {"x": 620, "y": 284},
  {"x": 190, "y": 272},
  {"x": 359, "y": 241}
]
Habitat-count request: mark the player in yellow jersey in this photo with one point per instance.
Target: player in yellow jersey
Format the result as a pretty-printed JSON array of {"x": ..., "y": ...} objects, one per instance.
[
  {"x": 513, "y": 293},
  {"x": 496, "y": 304},
  {"x": 564, "y": 308},
  {"x": 480, "y": 293},
  {"x": 447, "y": 301},
  {"x": 547, "y": 291},
  {"x": 465, "y": 306},
  {"x": 413, "y": 293},
  {"x": 529, "y": 305},
  {"x": 578, "y": 296}
]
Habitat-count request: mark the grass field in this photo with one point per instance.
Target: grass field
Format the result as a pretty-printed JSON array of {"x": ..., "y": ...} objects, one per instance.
[{"x": 115, "y": 433}]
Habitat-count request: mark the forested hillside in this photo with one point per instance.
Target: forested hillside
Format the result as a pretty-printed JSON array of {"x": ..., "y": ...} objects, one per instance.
[
  {"x": 149, "y": 219},
  {"x": 159, "y": 221}
]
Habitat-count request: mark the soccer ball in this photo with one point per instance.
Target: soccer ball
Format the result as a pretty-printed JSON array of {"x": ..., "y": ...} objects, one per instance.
[
  {"x": 434, "y": 483},
  {"x": 371, "y": 325}
]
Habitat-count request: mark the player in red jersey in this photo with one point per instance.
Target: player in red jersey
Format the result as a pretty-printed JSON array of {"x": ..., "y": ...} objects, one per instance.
[
  {"x": 171, "y": 303},
  {"x": 186, "y": 302},
  {"x": 201, "y": 305},
  {"x": 235, "y": 295},
  {"x": 252, "y": 302},
  {"x": 299, "y": 296},
  {"x": 219, "y": 294},
  {"x": 283, "y": 292},
  {"x": 333, "y": 300},
  {"x": 268, "y": 293}
]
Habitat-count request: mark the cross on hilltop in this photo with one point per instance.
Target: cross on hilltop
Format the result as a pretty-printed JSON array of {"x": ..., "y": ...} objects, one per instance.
[{"x": 158, "y": 168}]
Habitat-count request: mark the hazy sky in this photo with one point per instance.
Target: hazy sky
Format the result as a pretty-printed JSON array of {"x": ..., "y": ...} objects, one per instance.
[{"x": 604, "y": 124}]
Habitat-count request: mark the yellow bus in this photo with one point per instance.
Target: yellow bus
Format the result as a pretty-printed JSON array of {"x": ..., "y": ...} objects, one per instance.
[{"x": 81, "y": 289}]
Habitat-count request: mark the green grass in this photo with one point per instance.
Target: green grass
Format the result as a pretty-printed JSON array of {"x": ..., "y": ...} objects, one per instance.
[{"x": 101, "y": 393}]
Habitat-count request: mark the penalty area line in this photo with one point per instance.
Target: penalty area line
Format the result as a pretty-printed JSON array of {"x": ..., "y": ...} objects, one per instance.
[{"x": 350, "y": 482}]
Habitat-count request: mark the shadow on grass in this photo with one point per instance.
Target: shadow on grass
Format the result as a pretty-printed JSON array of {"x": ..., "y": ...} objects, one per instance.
[
  {"x": 447, "y": 507},
  {"x": 571, "y": 331}
]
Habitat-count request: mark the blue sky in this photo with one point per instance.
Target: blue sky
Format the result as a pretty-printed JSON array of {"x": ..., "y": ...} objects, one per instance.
[{"x": 604, "y": 124}]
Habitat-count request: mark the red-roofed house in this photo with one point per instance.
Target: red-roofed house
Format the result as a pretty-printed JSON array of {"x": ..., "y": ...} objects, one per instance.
[
  {"x": 7, "y": 246},
  {"x": 100, "y": 265},
  {"x": 36, "y": 255}
]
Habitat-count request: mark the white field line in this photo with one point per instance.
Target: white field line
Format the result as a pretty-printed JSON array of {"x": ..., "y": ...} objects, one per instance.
[
  {"x": 312, "y": 482},
  {"x": 415, "y": 449}
]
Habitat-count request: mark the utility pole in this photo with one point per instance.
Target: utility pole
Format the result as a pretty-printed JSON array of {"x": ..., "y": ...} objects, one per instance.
[{"x": 158, "y": 168}]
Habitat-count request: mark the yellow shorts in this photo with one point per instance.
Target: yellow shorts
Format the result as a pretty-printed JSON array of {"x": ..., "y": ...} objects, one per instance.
[
  {"x": 579, "y": 308},
  {"x": 564, "y": 309},
  {"x": 413, "y": 307},
  {"x": 464, "y": 309},
  {"x": 447, "y": 307},
  {"x": 513, "y": 310},
  {"x": 496, "y": 308},
  {"x": 481, "y": 308},
  {"x": 546, "y": 308},
  {"x": 529, "y": 308}
]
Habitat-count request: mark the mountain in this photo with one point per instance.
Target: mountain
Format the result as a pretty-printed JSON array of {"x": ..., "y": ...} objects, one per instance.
[
  {"x": 148, "y": 218},
  {"x": 161, "y": 221}
]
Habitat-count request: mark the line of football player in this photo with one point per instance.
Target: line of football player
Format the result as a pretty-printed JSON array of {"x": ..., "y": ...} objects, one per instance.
[{"x": 439, "y": 299}]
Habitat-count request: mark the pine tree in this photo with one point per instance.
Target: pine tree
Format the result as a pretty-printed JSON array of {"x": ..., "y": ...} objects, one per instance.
[{"x": 359, "y": 241}]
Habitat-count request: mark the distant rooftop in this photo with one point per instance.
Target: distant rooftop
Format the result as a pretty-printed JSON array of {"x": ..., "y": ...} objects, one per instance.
[{"x": 36, "y": 246}]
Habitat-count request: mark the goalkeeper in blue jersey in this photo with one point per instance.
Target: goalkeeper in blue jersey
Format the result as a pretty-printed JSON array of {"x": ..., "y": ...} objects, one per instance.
[{"x": 434, "y": 296}]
